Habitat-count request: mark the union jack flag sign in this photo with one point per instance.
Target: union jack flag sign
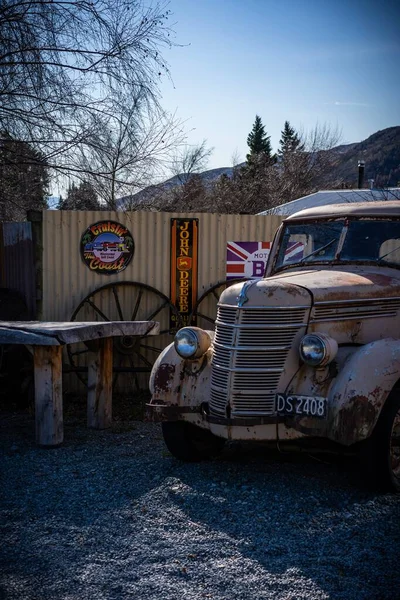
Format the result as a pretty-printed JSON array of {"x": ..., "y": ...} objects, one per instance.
[
  {"x": 248, "y": 260},
  {"x": 294, "y": 252}
]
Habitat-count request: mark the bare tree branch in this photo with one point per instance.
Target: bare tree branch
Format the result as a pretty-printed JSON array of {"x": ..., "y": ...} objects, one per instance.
[{"x": 65, "y": 66}]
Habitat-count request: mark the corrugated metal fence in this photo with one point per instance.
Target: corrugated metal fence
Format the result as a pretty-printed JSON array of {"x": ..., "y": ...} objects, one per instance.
[
  {"x": 17, "y": 262},
  {"x": 67, "y": 280},
  {"x": 69, "y": 289}
]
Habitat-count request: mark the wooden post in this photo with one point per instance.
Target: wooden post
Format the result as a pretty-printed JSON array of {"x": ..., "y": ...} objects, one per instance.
[
  {"x": 99, "y": 401},
  {"x": 36, "y": 219},
  {"x": 48, "y": 395}
]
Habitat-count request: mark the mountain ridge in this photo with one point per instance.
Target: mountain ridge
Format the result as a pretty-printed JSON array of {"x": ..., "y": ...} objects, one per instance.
[{"x": 380, "y": 152}]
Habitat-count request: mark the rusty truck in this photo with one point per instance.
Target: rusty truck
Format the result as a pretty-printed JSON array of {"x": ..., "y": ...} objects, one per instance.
[{"x": 311, "y": 351}]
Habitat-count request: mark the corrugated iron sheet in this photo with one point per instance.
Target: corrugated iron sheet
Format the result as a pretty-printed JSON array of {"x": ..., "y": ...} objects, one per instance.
[
  {"x": 66, "y": 279},
  {"x": 17, "y": 266}
]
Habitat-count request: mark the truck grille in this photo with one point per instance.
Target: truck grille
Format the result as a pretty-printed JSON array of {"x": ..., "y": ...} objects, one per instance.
[
  {"x": 356, "y": 309},
  {"x": 250, "y": 350}
]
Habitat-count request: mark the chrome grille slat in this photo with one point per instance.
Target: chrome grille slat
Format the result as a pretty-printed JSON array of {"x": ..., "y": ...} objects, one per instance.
[
  {"x": 265, "y": 337},
  {"x": 356, "y": 310},
  {"x": 224, "y": 335},
  {"x": 261, "y": 359},
  {"x": 220, "y": 378},
  {"x": 218, "y": 402},
  {"x": 227, "y": 315},
  {"x": 250, "y": 350},
  {"x": 222, "y": 357},
  {"x": 269, "y": 317},
  {"x": 263, "y": 381},
  {"x": 252, "y": 406}
]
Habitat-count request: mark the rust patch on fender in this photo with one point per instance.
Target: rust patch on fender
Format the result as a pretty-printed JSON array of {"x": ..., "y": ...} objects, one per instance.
[
  {"x": 354, "y": 421},
  {"x": 163, "y": 377}
]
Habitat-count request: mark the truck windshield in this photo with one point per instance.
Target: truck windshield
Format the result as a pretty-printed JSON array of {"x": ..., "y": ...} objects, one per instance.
[
  {"x": 307, "y": 243},
  {"x": 377, "y": 241},
  {"x": 366, "y": 240}
]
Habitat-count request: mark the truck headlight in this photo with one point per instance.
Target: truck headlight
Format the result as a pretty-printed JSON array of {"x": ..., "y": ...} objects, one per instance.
[
  {"x": 318, "y": 349},
  {"x": 192, "y": 342}
]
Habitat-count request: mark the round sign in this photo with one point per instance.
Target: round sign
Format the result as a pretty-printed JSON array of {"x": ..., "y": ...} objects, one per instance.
[{"x": 107, "y": 247}]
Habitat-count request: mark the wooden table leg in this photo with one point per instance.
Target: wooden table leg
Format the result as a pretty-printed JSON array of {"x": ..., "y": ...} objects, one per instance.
[
  {"x": 48, "y": 395},
  {"x": 99, "y": 402}
]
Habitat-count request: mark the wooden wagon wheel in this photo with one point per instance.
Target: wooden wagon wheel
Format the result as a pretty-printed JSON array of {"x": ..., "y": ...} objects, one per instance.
[
  {"x": 126, "y": 301},
  {"x": 205, "y": 309}
]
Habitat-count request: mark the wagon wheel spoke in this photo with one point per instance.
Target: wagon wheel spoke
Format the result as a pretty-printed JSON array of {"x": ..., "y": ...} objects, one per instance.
[
  {"x": 116, "y": 372},
  {"x": 167, "y": 331},
  {"x": 135, "y": 375},
  {"x": 97, "y": 309},
  {"x": 118, "y": 305},
  {"x": 199, "y": 314},
  {"x": 79, "y": 352},
  {"x": 135, "y": 310},
  {"x": 216, "y": 296},
  {"x": 153, "y": 348},
  {"x": 121, "y": 301},
  {"x": 141, "y": 357},
  {"x": 155, "y": 312}
]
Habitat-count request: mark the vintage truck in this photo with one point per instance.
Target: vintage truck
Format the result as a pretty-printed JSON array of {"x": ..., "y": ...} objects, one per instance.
[{"x": 309, "y": 352}]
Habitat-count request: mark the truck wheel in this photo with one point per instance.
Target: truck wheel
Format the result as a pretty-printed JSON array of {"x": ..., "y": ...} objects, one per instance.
[
  {"x": 381, "y": 455},
  {"x": 190, "y": 443}
]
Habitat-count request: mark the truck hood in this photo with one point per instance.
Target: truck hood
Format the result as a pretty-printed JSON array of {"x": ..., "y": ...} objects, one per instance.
[
  {"x": 264, "y": 293},
  {"x": 303, "y": 287},
  {"x": 343, "y": 283}
]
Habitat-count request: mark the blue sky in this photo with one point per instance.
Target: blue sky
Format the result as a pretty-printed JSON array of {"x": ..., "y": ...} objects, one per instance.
[{"x": 305, "y": 61}]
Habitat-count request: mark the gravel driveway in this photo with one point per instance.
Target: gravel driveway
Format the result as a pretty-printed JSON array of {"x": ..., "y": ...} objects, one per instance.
[{"x": 111, "y": 515}]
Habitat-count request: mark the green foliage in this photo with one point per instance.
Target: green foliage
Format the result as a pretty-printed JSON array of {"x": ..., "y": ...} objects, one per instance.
[
  {"x": 290, "y": 141},
  {"x": 80, "y": 197},
  {"x": 258, "y": 141}
]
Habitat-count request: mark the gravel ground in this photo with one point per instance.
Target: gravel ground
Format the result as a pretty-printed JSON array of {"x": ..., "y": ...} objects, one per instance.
[{"x": 111, "y": 515}]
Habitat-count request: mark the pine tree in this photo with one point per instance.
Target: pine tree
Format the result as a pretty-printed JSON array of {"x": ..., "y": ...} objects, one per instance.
[
  {"x": 258, "y": 141},
  {"x": 290, "y": 141},
  {"x": 81, "y": 197},
  {"x": 24, "y": 178}
]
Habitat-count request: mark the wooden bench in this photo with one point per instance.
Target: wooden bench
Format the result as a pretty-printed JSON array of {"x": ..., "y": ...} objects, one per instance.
[{"x": 47, "y": 340}]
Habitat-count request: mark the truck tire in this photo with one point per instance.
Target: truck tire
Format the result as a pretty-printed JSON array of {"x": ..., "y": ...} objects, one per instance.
[
  {"x": 381, "y": 453},
  {"x": 190, "y": 443}
]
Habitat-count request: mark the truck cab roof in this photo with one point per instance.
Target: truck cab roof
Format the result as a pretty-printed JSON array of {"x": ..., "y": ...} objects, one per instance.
[{"x": 388, "y": 209}]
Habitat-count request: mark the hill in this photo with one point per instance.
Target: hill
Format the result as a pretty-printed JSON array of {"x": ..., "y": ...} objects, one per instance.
[
  {"x": 380, "y": 152},
  {"x": 146, "y": 196}
]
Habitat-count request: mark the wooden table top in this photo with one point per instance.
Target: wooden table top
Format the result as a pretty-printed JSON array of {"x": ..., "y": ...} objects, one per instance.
[{"x": 57, "y": 333}]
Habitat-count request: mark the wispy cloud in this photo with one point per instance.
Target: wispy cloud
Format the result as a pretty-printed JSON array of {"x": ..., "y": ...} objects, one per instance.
[{"x": 349, "y": 104}]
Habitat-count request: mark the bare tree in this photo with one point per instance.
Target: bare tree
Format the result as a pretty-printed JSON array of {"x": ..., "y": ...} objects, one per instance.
[
  {"x": 124, "y": 151},
  {"x": 263, "y": 183},
  {"x": 308, "y": 166},
  {"x": 188, "y": 191},
  {"x": 190, "y": 160},
  {"x": 65, "y": 65}
]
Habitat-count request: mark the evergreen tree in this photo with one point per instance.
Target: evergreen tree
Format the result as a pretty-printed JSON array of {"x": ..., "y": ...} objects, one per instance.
[
  {"x": 258, "y": 141},
  {"x": 24, "y": 178},
  {"x": 290, "y": 141},
  {"x": 80, "y": 197}
]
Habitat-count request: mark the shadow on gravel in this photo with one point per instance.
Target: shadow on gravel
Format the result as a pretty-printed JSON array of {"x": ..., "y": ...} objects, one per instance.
[
  {"x": 301, "y": 516},
  {"x": 111, "y": 515}
]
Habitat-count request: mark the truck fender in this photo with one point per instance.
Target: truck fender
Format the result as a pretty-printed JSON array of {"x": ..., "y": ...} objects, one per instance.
[
  {"x": 166, "y": 373},
  {"x": 361, "y": 389},
  {"x": 178, "y": 382}
]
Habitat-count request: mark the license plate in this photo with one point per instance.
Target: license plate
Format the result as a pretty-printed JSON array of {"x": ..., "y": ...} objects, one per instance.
[{"x": 304, "y": 406}]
